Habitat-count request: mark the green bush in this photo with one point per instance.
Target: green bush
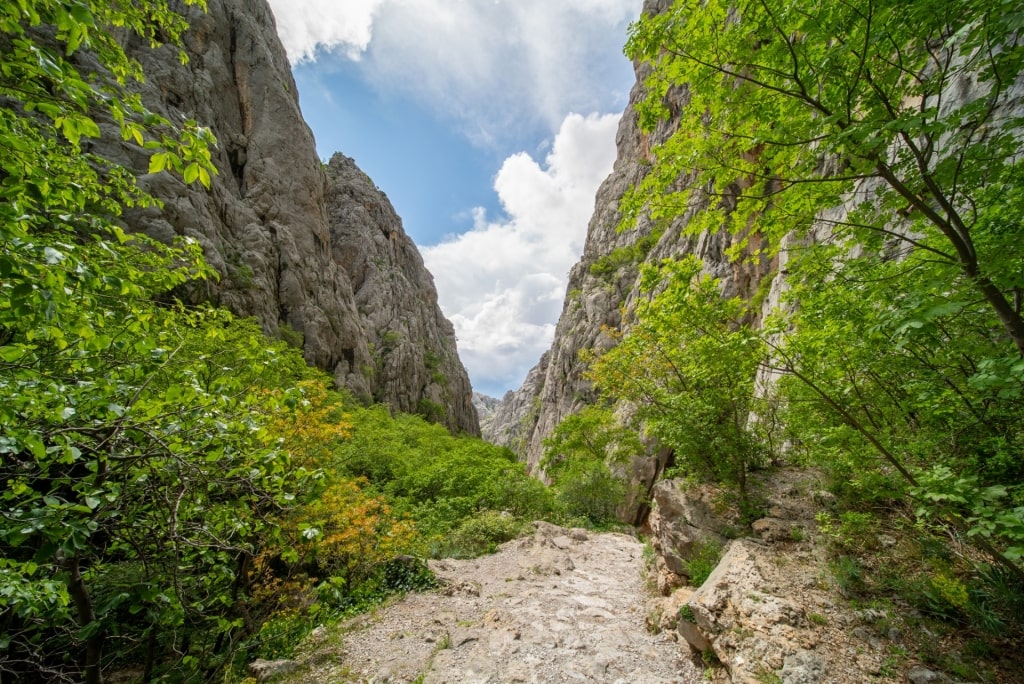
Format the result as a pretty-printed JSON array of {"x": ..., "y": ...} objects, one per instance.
[
  {"x": 589, "y": 489},
  {"x": 483, "y": 533},
  {"x": 702, "y": 561},
  {"x": 848, "y": 574}
]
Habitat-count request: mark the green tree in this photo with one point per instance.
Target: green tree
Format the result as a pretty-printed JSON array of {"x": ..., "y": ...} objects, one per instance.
[
  {"x": 903, "y": 109},
  {"x": 137, "y": 471},
  {"x": 689, "y": 365},
  {"x": 584, "y": 457},
  {"x": 877, "y": 144}
]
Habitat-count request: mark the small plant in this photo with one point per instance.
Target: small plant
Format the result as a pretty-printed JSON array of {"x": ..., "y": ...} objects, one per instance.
[
  {"x": 848, "y": 574},
  {"x": 850, "y": 531},
  {"x": 407, "y": 573},
  {"x": 431, "y": 410},
  {"x": 686, "y": 613},
  {"x": 290, "y": 336},
  {"x": 797, "y": 534},
  {"x": 766, "y": 676},
  {"x": 648, "y": 555},
  {"x": 702, "y": 562},
  {"x": 244, "y": 276},
  {"x": 951, "y": 589},
  {"x": 483, "y": 533},
  {"x": 817, "y": 619},
  {"x": 892, "y": 661}
]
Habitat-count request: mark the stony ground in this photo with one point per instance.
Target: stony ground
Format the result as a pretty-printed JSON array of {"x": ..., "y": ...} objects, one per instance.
[
  {"x": 559, "y": 606},
  {"x": 575, "y": 606}
]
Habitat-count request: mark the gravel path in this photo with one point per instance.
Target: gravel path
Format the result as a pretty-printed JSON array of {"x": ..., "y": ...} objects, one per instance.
[{"x": 560, "y": 606}]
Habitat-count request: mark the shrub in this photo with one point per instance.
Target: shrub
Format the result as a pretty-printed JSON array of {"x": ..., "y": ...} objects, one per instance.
[
  {"x": 483, "y": 532},
  {"x": 702, "y": 561},
  {"x": 590, "y": 490}
]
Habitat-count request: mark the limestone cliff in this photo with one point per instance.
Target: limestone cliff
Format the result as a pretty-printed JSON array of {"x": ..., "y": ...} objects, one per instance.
[
  {"x": 602, "y": 289},
  {"x": 415, "y": 368},
  {"x": 316, "y": 255}
]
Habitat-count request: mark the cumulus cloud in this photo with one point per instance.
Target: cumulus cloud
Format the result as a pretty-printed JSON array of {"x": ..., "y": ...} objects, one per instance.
[
  {"x": 494, "y": 65},
  {"x": 306, "y": 26},
  {"x": 503, "y": 282}
]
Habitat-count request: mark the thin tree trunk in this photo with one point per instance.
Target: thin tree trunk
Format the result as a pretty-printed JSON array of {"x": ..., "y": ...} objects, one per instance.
[
  {"x": 1008, "y": 315},
  {"x": 151, "y": 644},
  {"x": 93, "y": 674}
]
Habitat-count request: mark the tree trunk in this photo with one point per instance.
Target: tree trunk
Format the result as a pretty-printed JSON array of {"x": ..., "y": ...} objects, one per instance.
[
  {"x": 1008, "y": 315},
  {"x": 92, "y": 671}
]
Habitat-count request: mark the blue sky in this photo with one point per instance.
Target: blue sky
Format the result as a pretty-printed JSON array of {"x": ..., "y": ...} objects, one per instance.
[
  {"x": 431, "y": 172},
  {"x": 489, "y": 124}
]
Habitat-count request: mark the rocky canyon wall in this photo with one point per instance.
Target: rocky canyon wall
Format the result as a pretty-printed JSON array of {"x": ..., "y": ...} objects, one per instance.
[
  {"x": 602, "y": 289},
  {"x": 313, "y": 252}
]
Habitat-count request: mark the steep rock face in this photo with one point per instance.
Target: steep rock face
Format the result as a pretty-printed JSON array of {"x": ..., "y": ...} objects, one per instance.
[
  {"x": 512, "y": 419},
  {"x": 602, "y": 291},
  {"x": 485, "y": 406},
  {"x": 267, "y": 224},
  {"x": 415, "y": 366}
]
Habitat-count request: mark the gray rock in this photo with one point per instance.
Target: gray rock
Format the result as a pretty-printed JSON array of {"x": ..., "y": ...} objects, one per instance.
[
  {"x": 772, "y": 529},
  {"x": 268, "y": 670},
  {"x": 803, "y": 667},
  {"x": 693, "y": 636},
  {"x": 485, "y": 408},
  {"x": 920, "y": 675},
  {"x": 824, "y": 498},
  {"x": 416, "y": 368},
  {"x": 681, "y": 518}
]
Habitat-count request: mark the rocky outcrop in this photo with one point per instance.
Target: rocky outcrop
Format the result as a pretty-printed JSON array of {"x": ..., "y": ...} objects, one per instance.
[
  {"x": 768, "y": 611},
  {"x": 682, "y": 518},
  {"x": 485, "y": 407},
  {"x": 416, "y": 367},
  {"x": 314, "y": 254},
  {"x": 512, "y": 420}
]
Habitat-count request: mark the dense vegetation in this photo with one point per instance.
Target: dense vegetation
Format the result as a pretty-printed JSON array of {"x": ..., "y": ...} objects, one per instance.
[
  {"x": 178, "y": 493},
  {"x": 874, "y": 149}
]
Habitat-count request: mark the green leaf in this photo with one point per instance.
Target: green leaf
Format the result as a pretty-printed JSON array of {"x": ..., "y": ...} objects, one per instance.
[
  {"x": 12, "y": 354},
  {"x": 158, "y": 162},
  {"x": 191, "y": 173}
]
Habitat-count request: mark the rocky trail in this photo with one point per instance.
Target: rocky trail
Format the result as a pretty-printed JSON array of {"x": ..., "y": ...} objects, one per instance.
[
  {"x": 570, "y": 605},
  {"x": 558, "y": 606}
]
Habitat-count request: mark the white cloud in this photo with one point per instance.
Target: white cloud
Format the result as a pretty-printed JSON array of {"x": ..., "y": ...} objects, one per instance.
[
  {"x": 502, "y": 283},
  {"x": 493, "y": 65},
  {"x": 306, "y": 26}
]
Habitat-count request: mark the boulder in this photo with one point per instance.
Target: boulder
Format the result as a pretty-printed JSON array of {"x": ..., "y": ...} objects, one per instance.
[
  {"x": 269, "y": 670},
  {"x": 803, "y": 667},
  {"x": 747, "y": 628},
  {"x": 681, "y": 518}
]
